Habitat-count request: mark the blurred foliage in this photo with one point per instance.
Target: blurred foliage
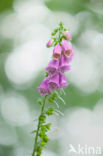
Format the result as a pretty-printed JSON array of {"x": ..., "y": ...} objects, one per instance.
[
  {"x": 71, "y": 6},
  {"x": 5, "y": 4},
  {"x": 76, "y": 6}
]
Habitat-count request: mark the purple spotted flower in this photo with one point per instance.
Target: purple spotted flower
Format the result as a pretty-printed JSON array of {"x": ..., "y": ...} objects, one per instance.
[
  {"x": 62, "y": 81},
  {"x": 62, "y": 56},
  {"x": 67, "y": 48},
  {"x": 64, "y": 64},
  {"x": 53, "y": 83},
  {"x": 67, "y": 35},
  {"x": 55, "y": 79},
  {"x": 57, "y": 52},
  {"x": 53, "y": 67},
  {"x": 43, "y": 88},
  {"x": 49, "y": 43}
]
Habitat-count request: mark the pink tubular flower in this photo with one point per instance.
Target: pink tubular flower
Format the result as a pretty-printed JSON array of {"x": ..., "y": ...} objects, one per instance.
[
  {"x": 62, "y": 81},
  {"x": 64, "y": 64},
  {"x": 49, "y": 43},
  {"x": 53, "y": 67},
  {"x": 43, "y": 89},
  {"x": 57, "y": 51},
  {"x": 67, "y": 48},
  {"x": 67, "y": 35},
  {"x": 53, "y": 83}
]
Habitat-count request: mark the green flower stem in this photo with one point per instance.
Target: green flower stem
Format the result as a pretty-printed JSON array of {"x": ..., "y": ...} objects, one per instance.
[
  {"x": 37, "y": 132},
  {"x": 41, "y": 138}
]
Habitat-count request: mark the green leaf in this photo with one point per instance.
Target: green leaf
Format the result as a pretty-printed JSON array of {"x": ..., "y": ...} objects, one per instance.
[
  {"x": 55, "y": 95},
  {"x": 48, "y": 126},
  {"x": 61, "y": 24},
  {"x": 38, "y": 154},
  {"x": 53, "y": 34},
  {"x": 43, "y": 143},
  {"x": 65, "y": 29},
  {"x": 41, "y": 135},
  {"x": 46, "y": 74},
  {"x": 50, "y": 111},
  {"x": 51, "y": 100},
  {"x": 55, "y": 30},
  {"x": 45, "y": 138},
  {"x": 42, "y": 118},
  {"x": 43, "y": 128}
]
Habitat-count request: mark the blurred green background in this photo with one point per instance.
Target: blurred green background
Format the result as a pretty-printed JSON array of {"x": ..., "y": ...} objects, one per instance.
[{"x": 25, "y": 27}]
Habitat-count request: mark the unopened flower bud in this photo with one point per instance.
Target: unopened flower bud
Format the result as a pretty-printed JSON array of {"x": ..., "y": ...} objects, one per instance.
[
  {"x": 49, "y": 43},
  {"x": 67, "y": 35}
]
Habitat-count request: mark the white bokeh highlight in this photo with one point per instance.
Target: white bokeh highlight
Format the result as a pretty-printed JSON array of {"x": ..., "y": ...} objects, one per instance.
[
  {"x": 14, "y": 109},
  {"x": 82, "y": 126},
  {"x": 25, "y": 63}
]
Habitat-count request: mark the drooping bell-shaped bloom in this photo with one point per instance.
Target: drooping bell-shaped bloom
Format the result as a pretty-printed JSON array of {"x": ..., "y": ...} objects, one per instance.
[
  {"x": 67, "y": 48},
  {"x": 49, "y": 43},
  {"x": 67, "y": 35},
  {"x": 57, "y": 51},
  {"x": 64, "y": 64},
  {"x": 53, "y": 83},
  {"x": 62, "y": 81},
  {"x": 43, "y": 88},
  {"x": 53, "y": 67}
]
